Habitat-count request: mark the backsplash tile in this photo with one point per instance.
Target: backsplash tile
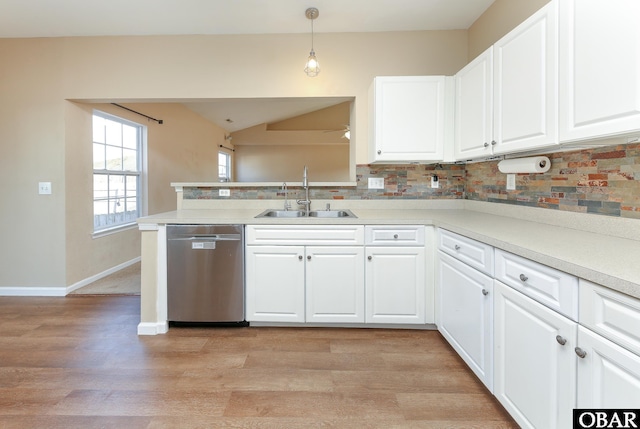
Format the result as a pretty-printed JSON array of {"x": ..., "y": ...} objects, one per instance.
[{"x": 603, "y": 181}]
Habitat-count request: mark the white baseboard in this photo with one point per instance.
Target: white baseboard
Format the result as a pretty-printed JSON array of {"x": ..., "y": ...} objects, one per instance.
[
  {"x": 33, "y": 291},
  {"x": 98, "y": 276},
  {"x": 150, "y": 328}
]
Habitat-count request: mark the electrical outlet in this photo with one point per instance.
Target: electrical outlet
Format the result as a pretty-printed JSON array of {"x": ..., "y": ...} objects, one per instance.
[
  {"x": 224, "y": 192},
  {"x": 44, "y": 188},
  {"x": 435, "y": 182},
  {"x": 511, "y": 182},
  {"x": 376, "y": 182}
]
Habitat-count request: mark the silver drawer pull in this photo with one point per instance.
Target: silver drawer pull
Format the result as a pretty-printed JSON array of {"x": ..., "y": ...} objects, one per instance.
[
  {"x": 523, "y": 277},
  {"x": 369, "y": 257},
  {"x": 300, "y": 257},
  {"x": 309, "y": 258},
  {"x": 456, "y": 247},
  {"x": 581, "y": 353},
  {"x": 486, "y": 144},
  {"x": 395, "y": 236},
  {"x": 561, "y": 340},
  {"x": 485, "y": 292}
]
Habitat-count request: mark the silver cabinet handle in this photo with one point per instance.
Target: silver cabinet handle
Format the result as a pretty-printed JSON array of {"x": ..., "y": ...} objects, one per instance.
[
  {"x": 369, "y": 257},
  {"x": 486, "y": 144},
  {"x": 523, "y": 277},
  {"x": 561, "y": 340},
  {"x": 485, "y": 292},
  {"x": 456, "y": 247},
  {"x": 379, "y": 152},
  {"x": 309, "y": 258},
  {"x": 395, "y": 236},
  {"x": 300, "y": 257},
  {"x": 581, "y": 353},
  {"x": 493, "y": 143}
]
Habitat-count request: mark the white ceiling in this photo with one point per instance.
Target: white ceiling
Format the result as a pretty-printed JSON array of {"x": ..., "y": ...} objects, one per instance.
[
  {"x": 64, "y": 18},
  {"x": 57, "y": 18}
]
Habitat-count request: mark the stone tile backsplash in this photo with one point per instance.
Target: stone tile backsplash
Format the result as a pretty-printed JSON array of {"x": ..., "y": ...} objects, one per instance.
[{"x": 602, "y": 181}]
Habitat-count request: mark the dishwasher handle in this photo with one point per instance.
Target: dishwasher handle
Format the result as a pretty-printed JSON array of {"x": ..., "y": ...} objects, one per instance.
[{"x": 208, "y": 237}]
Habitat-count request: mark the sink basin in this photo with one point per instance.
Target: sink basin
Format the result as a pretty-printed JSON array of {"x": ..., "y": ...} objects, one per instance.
[
  {"x": 316, "y": 213},
  {"x": 331, "y": 213},
  {"x": 281, "y": 213}
]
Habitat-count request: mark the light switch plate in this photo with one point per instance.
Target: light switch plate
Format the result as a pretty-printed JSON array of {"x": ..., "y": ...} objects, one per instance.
[
  {"x": 511, "y": 182},
  {"x": 224, "y": 192},
  {"x": 435, "y": 182},
  {"x": 44, "y": 188},
  {"x": 376, "y": 182}
]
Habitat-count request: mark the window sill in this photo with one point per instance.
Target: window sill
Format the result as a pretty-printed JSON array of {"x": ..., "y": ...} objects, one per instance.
[{"x": 114, "y": 230}]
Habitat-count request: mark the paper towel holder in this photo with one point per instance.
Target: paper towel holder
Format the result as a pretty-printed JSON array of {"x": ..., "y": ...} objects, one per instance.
[{"x": 534, "y": 164}]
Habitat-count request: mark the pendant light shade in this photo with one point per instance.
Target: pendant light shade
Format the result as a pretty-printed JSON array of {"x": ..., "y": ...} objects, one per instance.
[{"x": 312, "y": 68}]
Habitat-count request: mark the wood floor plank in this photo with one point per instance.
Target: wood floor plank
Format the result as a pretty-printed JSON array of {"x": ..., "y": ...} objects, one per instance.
[{"x": 79, "y": 363}]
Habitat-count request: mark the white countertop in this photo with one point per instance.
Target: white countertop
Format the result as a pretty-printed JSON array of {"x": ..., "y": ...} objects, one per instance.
[{"x": 607, "y": 259}]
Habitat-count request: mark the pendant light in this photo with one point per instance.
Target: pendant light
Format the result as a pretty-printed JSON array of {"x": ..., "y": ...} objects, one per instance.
[{"x": 312, "y": 68}]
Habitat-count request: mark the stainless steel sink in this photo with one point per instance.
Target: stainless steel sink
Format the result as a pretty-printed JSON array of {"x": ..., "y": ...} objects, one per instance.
[
  {"x": 331, "y": 213},
  {"x": 334, "y": 214},
  {"x": 281, "y": 213}
]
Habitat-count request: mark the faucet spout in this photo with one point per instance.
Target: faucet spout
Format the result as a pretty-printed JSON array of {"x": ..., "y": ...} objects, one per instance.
[
  {"x": 287, "y": 206},
  {"x": 305, "y": 185}
]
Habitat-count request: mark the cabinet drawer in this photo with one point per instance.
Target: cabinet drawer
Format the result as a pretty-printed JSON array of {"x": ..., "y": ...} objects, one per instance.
[
  {"x": 276, "y": 235},
  {"x": 402, "y": 235},
  {"x": 553, "y": 288},
  {"x": 471, "y": 252},
  {"x": 610, "y": 313}
]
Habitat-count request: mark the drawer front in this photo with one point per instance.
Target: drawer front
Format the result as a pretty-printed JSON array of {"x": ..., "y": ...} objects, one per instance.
[
  {"x": 316, "y": 235},
  {"x": 401, "y": 235},
  {"x": 471, "y": 252},
  {"x": 612, "y": 314},
  {"x": 553, "y": 288}
]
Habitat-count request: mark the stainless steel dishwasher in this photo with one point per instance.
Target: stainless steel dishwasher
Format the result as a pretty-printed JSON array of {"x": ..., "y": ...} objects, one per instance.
[{"x": 205, "y": 273}]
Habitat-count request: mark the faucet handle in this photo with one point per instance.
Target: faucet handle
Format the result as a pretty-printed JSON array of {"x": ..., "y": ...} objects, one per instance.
[{"x": 328, "y": 206}]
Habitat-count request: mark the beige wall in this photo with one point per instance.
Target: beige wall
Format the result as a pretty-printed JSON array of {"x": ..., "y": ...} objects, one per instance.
[
  {"x": 325, "y": 163},
  {"x": 501, "y": 17},
  {"x": 39, "y": 233}
]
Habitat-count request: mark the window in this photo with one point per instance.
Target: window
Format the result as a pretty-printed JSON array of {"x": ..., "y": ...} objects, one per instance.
[
  {"x": 224, "y": 167},
  {"x": 117, "y": 165}
]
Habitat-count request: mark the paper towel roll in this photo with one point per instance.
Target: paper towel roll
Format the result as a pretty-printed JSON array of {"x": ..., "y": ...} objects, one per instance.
[{"x": 534, "y": 164}]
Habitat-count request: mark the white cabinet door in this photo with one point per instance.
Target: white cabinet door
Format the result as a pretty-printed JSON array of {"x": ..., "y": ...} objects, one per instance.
[
  {"x": 608, "y": 375},
  {"x": 525, "y": 67},
  {"x": 535, "y": 375},
  {"x": 395, "y": 285},
  {"x": 599, "y": 68},
  {"x": 408, "y": 118},
  {"x": 474, "y": 108},
  {"x": 465, "y": 316},
  {"x": 275, "y": 283},
  {"x": 335, "y": 284}
]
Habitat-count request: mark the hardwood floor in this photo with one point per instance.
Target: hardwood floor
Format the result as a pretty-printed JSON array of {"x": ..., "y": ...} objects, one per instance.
[{"x": 77, "y": 362}]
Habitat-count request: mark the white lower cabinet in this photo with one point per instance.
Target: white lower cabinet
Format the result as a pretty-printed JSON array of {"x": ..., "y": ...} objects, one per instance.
[
  {"x": 535, "y": 362},
  {"x": 465, "y": 314},
  {"x": 275, "y": 283},
  {"x": 608, "y": 375},
  {"x": 395, "y": 286},
  {"x": 335, "y": 284}
]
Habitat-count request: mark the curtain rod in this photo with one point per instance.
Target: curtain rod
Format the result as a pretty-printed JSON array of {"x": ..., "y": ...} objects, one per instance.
[
  {"x": 159, "y": 121},
  {"x": 228, "y": 148}
]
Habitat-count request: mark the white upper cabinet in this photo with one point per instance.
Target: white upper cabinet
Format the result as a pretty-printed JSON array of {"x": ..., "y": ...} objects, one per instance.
[
  {"x": 408, "y": 118},
  {"x": 525, "y": 84},
  {"x": 599, "y": 68},
  {"x": 506, "y": 98},
  {"x": 474, "y": 108}
]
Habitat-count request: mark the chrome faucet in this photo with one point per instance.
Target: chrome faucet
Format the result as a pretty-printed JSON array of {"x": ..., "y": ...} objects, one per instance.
[
  {"x": 305, "y": 184},
  {"x": 287, "y": 206}
]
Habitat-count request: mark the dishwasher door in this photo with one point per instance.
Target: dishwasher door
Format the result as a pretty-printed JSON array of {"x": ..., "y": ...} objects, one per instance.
[{"x": 205, "y": 273}]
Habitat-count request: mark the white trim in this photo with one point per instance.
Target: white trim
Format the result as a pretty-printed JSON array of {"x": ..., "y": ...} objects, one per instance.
[
  {"x": 161, "y": 287},
  {"x": 98, "y": 276},
  {"x": 149, "y": 328},
  {"x": 148, "y": 226},
  {"x": 32, "y": 291},
  {"x": 113, "y": 230}
]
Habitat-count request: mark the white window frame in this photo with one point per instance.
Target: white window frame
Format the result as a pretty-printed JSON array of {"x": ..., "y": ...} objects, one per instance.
[
  {"x": 139, "y": 173},
  {"x": 227, "y": 167}
]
